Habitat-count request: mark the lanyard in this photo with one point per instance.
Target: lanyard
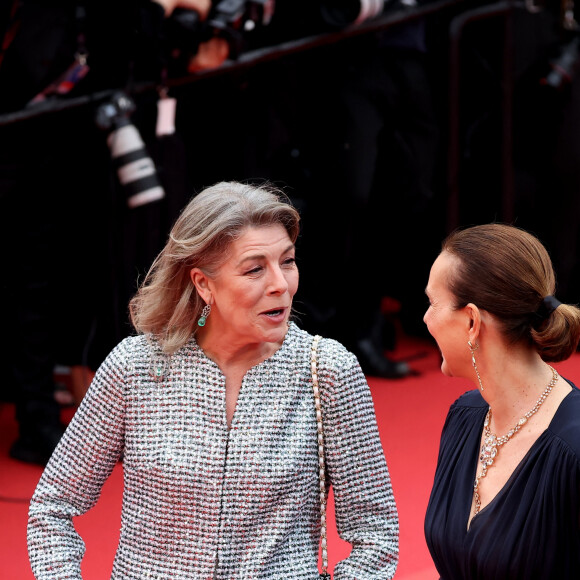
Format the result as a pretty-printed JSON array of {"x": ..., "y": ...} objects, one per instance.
[{"x": 79, "y": 68}]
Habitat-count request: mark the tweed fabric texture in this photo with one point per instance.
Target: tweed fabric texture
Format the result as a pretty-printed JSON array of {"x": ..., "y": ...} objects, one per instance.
[{"x": 204, "y": 501}]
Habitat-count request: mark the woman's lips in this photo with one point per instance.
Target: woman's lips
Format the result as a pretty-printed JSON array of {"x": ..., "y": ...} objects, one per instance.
[{"x": 275, "y": 314}]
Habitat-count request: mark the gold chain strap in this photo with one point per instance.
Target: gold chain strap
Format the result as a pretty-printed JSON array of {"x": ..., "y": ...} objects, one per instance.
[{"x": 321, "y": 462}]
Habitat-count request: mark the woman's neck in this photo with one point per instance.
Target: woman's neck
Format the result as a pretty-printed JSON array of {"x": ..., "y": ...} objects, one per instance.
[
  {"x": 513, "y": 387},
  {"x": 227, "y": 352}
]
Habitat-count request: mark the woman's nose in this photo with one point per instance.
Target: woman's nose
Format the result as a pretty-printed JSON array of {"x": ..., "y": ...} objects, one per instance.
[{"x": 277, "y": 283}]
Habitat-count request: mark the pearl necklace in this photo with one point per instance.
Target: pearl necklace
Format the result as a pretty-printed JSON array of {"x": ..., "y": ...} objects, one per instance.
[{"x": 492, "y": 442}]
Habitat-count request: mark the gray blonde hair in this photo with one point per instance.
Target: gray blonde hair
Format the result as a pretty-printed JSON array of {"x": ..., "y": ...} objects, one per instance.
[{"x": 167, "y": 304}]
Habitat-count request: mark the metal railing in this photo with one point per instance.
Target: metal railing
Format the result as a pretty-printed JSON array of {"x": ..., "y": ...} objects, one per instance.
[{"x": 251, "y": 58}]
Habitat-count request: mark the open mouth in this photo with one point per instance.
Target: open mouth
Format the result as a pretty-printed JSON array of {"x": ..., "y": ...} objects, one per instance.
[{"x": 275, "y": 312}]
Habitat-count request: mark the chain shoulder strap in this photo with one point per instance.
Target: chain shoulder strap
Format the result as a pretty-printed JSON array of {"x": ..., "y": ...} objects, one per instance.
[{"x": 321, "y": 460}]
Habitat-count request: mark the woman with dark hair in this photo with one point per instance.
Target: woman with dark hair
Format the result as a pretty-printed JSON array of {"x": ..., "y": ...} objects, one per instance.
[
  {"x": 230, "y": 420},
  {"x": 505, "y": 503}
]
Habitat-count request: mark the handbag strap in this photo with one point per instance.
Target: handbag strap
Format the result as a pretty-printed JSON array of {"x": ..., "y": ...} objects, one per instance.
[{"x": 321, "y": 460}]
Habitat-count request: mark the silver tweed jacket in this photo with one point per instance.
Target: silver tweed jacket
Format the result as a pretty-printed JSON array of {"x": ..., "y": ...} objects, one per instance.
[{"x": 202, "y": 501}]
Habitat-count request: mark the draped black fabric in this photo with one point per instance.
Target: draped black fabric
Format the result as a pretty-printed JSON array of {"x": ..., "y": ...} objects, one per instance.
[{"x": 531, "y": 529}]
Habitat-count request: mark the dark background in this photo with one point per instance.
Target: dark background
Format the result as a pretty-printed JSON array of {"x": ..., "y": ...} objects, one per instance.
[{"x": 286, "y": 119}]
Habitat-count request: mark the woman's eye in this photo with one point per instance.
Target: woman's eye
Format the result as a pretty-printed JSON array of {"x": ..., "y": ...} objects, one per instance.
[
  {"x": 254, "y": 270},
  {"x": 289, "y": 261}
]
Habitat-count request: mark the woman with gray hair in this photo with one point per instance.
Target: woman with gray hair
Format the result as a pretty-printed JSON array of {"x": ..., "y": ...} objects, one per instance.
[{"x": 231, "y": 422}]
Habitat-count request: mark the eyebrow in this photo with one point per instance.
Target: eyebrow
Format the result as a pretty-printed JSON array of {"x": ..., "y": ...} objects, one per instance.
[{"x": 262, "y": 256}]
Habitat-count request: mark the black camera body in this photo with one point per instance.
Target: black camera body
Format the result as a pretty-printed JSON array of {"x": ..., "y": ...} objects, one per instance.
[{"x": 228, "y": 19}]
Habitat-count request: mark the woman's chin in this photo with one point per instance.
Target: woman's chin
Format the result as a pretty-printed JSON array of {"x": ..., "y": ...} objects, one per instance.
[
  {"x": 445, "y": 369},
  {"x": 275, "y": 335}
]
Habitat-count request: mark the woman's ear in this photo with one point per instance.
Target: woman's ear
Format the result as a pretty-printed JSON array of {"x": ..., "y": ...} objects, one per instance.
[
  {"x": 474, "y": 319},
  {"x": 201, "y": 282}
]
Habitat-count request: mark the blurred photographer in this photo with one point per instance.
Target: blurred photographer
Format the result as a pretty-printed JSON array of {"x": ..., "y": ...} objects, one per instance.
[
  {"x": 58, "y": 206},
  {"x": 374, "y": 153},
  {"x": 210, "y": 53}
]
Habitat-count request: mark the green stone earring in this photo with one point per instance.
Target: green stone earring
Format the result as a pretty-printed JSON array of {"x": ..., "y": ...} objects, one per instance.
[{"x": 204, "y": 314}]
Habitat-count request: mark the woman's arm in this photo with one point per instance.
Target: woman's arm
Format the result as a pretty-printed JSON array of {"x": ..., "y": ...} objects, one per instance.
[
  {"x": 72, "y": 481},
  {"x": 366, "y": 513}
]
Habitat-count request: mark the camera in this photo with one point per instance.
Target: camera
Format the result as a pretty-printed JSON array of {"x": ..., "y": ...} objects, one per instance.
[
  {"x": 341, "y": 13},
  {"x": 228, "y": 19},
  {"x": 135, "y": 169}
]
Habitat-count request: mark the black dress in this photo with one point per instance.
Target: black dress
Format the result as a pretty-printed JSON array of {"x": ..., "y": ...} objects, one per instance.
[{"x": 531, "y": 529}]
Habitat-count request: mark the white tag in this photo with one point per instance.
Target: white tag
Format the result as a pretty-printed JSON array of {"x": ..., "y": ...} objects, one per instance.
[{"x": 165, "y": 116}]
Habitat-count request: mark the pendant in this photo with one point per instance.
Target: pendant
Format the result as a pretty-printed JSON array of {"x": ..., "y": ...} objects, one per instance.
[
  {"x": 158, "y": 368},
  {"x": 488, "y": 450}
]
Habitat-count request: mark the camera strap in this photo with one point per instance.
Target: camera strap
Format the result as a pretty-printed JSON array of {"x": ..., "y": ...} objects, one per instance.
[
  {"x": 75, "y": 72},
  {"x": 166, "y": 106}
]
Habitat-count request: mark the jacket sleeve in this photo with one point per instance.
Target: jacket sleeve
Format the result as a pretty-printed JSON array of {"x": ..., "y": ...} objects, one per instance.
[
  {"x": 73, "y": 478},
  {"x": 366, "y": 513}
]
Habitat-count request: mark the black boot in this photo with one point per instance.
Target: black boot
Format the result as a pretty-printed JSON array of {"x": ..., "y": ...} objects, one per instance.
[{"x": 374, "y": 363}]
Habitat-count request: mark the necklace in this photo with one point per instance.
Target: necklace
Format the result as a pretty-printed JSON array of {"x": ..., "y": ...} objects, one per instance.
[{"x": 492, "y": 442}]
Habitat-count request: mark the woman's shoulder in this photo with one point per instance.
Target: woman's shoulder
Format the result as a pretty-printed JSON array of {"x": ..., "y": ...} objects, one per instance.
[
  {"x": 466, "y": 409},
  {"x": 566, "y": 421},
  {"x": 470, "y": 399},
  {"x": 133, "y": 348},
  {"x": 136, "y": 343},
  {"x": 331, "y": 354},
  {"x": 464, "y": 418},
  {"x": 329, "y": 348}
]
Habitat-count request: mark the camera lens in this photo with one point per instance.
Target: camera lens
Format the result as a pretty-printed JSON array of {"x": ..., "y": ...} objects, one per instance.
[
  {"x": 341, "y": 13},
  {"x": 135, "y": 168}
]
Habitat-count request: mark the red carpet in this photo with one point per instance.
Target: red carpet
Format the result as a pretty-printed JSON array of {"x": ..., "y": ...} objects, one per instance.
[{"x": 410, "y": 414}]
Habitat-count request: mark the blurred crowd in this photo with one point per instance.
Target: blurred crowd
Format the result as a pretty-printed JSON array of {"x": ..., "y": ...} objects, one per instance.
[{"x": 354, "y": 128}]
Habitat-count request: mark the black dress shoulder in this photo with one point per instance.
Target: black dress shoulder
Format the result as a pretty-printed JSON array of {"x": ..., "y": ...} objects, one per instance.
[{"x": 531, "y": 529}]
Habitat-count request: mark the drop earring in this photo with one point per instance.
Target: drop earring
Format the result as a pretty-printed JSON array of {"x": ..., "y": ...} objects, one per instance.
[
  {"x": 473, "y": 348},
  {"x": 204, "y": 314}
]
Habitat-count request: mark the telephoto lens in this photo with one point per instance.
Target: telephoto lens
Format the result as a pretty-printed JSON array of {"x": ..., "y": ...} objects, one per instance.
[
  {"x": 135, "y": 169},
  {"x": 341, "y": 13}
]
